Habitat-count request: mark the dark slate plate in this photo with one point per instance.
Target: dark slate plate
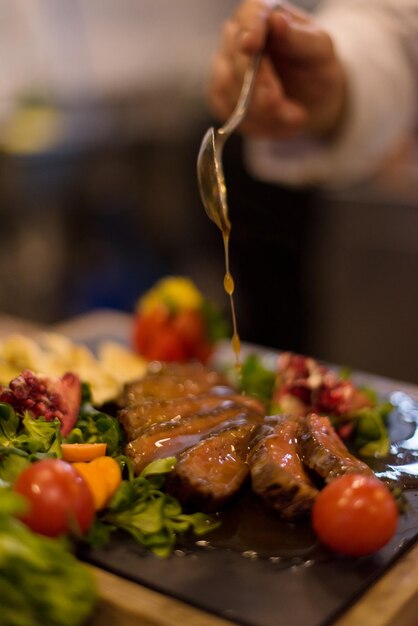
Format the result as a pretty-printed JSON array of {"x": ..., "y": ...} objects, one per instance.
[
  {"x": 257, "y": 592},
  {"x": 258, "y": 571}
]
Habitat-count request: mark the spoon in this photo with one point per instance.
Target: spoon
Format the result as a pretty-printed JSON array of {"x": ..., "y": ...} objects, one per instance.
[{"x": 210, "y": 173}]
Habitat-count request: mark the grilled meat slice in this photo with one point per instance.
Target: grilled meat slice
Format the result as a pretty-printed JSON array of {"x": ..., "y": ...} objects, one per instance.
[
  {"x": 212, "y": 471},
  {"x": 138, "y": 417},
  {"x": 168, "y": 381},
  {"x": 172, "y": 437},
  {"x": 277, "y": 472},
  {"x": 323, "y": 451}
]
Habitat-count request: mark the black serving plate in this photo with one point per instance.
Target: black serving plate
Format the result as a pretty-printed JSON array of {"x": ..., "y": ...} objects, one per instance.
[{"x": 259, "y": 571}]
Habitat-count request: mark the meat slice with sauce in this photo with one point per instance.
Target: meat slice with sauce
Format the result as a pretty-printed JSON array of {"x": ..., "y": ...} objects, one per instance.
[
  {"x": 278, "y": 474},
  {"x": 165, "y": 382},
  {"x": 213, "y": 471},
  {"x": 173, "y": 437},
  {"x": 138, "y": 417},
  {"x": 324, "y": 452}
]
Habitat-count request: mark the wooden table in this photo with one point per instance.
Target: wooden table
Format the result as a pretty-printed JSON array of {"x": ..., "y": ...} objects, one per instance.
[{"x": 391, "y": 601}]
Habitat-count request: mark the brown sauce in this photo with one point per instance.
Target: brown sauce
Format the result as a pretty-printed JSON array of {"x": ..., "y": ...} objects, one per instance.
[
  {"x": 229, "y": 287},
  {"x": 249, "y": 527}
]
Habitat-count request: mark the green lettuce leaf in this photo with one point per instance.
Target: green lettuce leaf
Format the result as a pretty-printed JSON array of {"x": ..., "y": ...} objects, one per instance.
[
  {"x": 153, "y": 518},
  {"x": 94, "y": 426},
  {"x": 371, "y": 437},
  {"x": 41, "y": 582},
  {"x": 23, "y": 440},
  {"x": 257, "y": 380}
]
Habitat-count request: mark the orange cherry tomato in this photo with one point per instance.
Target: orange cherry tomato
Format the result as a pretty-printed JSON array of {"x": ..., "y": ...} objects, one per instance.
[
  {"x": 355, "y": 515},
  {"x": 103, "y": 476},
  {"x": 72, "y": 452}
]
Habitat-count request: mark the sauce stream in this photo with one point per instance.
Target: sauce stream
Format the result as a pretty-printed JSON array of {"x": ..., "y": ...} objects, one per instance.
[{"x": 229, "y": 287}]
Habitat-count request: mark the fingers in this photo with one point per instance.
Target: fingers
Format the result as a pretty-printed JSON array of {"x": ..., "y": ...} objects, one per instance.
[
  {"x": 296, "y": 39},
  {"x": 250, "y": 21},
  {"x": 270, "y": 114},
  {"x": 256, "y": 27}
]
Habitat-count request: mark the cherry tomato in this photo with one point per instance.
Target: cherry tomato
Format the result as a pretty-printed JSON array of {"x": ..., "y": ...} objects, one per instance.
[
  {"x": 161, "y": 336},
  {"x": 355, "y": 515},
  {"x": 73, "y": 452},
  {"x": 59, "y": 499},
  {"x": 147, "y": 327},
  {"x": 167, "y": 346},
  {"x": 191, "y": 327}
]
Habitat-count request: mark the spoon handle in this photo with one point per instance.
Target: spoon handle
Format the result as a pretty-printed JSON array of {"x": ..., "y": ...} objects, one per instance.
[{"x": 244, "y": 97}]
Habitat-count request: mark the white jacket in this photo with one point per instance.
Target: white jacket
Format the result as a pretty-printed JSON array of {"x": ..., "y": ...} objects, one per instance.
[{"x": 377, "y": 41}]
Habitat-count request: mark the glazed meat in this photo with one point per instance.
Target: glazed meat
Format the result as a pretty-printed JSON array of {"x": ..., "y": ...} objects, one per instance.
[
  {"x": 323, "y": 451},
  {"x": 277, "y": 472},
  {"x": 173, "y": 437},
  {"x": 212, "y": 471},
  {"x": 140, "y": 416},
  {"x": 220, "y": 438},
  {"x": 165, "y": 382}
]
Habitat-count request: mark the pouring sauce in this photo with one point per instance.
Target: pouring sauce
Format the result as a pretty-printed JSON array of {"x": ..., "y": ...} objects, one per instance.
[
  {"x": 216, "y": 206},
  {"x": 229, "y": 287}
]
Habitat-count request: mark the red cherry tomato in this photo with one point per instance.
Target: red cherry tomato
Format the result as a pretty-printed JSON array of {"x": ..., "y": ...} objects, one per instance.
[
  {"x": 191, "y": 327},
  {"x": 59, "y": 500},
  {"x": 146, "y": 328},
  {"x": 355, "y": 515},
  {"x": 167, "y": 346}
]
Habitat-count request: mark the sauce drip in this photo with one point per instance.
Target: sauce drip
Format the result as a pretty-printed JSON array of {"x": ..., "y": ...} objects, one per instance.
[
  {"x": 216, "y": 206},
  {"x": 229, "y": 287}
]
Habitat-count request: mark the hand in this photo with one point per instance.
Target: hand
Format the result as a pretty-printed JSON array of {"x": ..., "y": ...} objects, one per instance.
[{"x": 300, "y": 84}]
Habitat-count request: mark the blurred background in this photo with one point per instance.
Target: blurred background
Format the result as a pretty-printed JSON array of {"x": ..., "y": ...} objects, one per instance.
[{"x": 102, "y": 110}]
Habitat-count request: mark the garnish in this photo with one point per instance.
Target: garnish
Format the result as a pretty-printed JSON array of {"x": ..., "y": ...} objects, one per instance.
[
  {"x": 256, "y": 379},
  {"x": 301, "y": 386},
  {"x": 94, "y": 426},
  {"x": 46, "y": 396},
  {"x": 23, "y": 440},
  {"x": 174, "y": 322},
  {"x": 41, "y": 582},
  {"x": 371, "y": 438},
  {"x": 141, "y": 508}
]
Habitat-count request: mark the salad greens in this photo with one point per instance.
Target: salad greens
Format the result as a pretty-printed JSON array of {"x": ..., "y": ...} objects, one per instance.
[
  {"x": 367, "y": 426},
  {"x": 23, "y": 440},
  {"x": 94, "y": 426},
  {"x": 141, "y": 508},
  {"x": 256, "y": 379},
  {"x": 217, "y": 324},
  {"x": 371, "y": 438},
  {"x": 41, "y": 582}
]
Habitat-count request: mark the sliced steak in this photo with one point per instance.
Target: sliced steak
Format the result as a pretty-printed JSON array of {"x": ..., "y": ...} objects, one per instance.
[
  {"x": 277, "y": 472},
  {"x": 323, "y": 451},
  {"x": 140, "y": 416},
  {"x": 172, "y": 381},
  {"x": 171, "y": 438},
  {"x": 212, "y": 471}
]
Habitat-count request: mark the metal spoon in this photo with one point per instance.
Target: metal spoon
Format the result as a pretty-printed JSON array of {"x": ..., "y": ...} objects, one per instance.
[{"x": 209, "y": 161}]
